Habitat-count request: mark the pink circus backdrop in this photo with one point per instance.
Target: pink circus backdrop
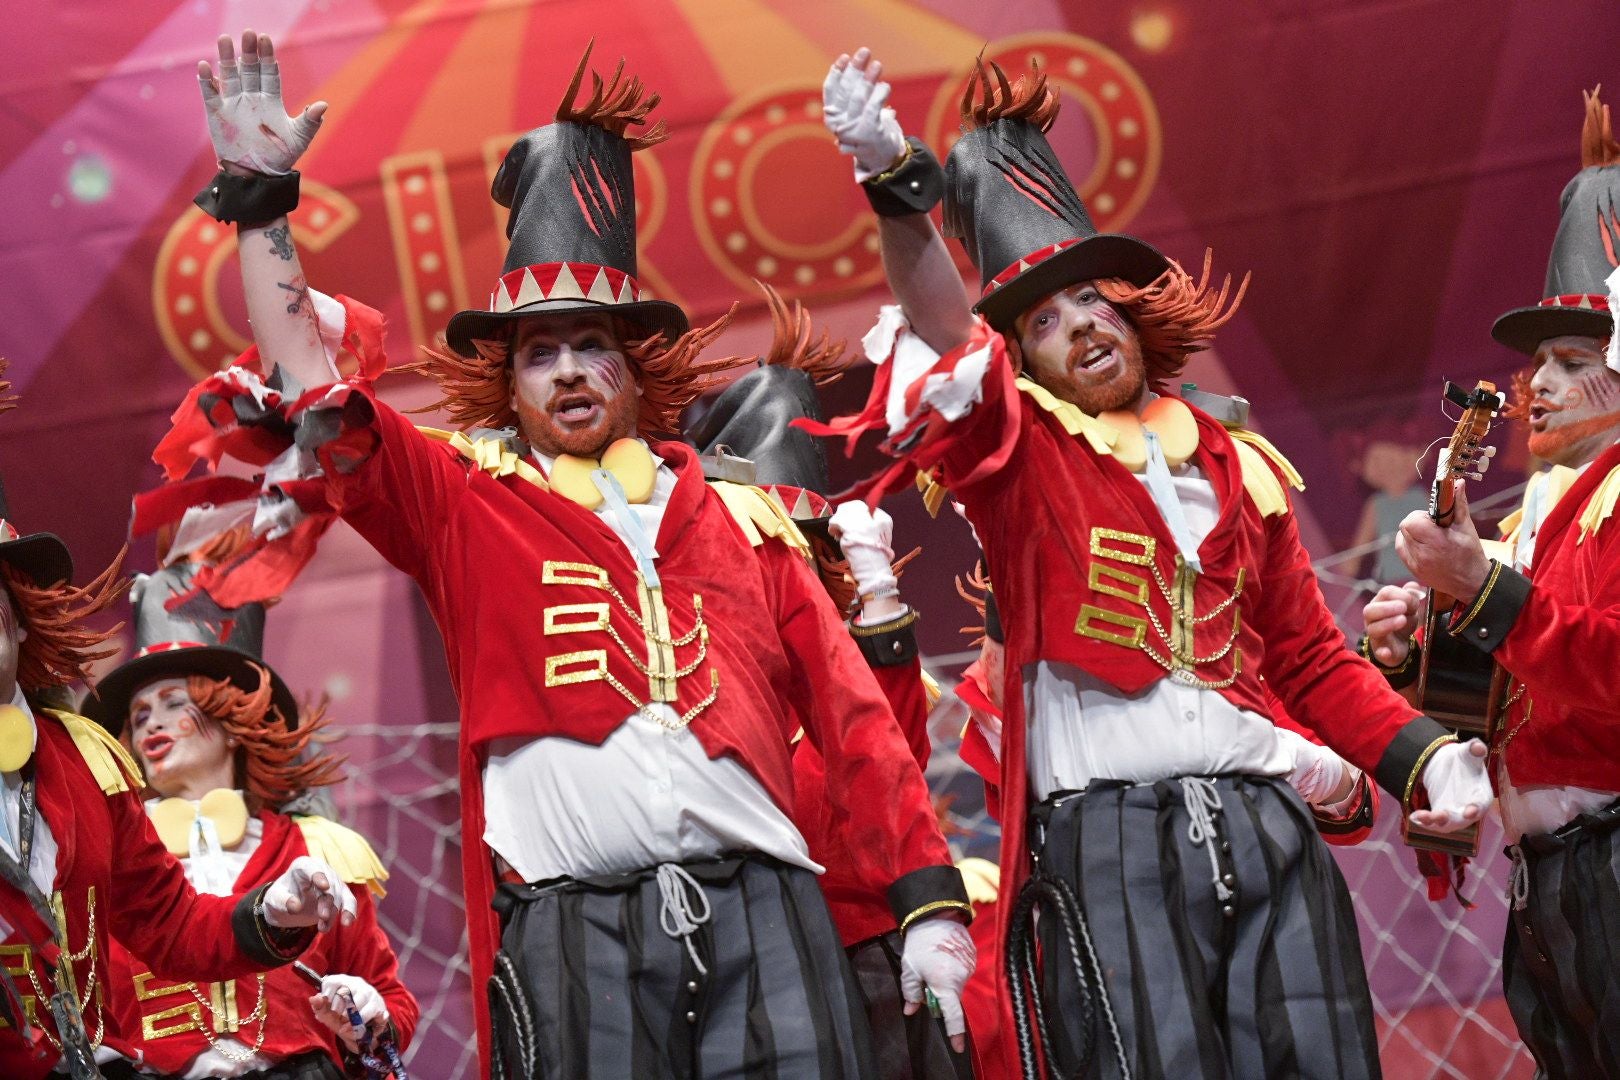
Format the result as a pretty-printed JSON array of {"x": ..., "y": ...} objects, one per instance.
[{"x": 1388, "y": 171}]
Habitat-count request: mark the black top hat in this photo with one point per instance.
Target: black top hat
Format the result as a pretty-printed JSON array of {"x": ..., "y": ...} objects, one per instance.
[
  {"x": 170, "y": 644},
  {"x": 1575, "y": 298},
  {"x": 41, "y": 557},
  {"x": 572, "y": 194},
  {"x": 1010, "y": 203}
]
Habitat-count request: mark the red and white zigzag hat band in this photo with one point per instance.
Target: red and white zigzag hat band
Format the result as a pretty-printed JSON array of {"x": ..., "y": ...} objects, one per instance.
[
  {"x": 584, "y": 282},
  {"x": 1578, "y": 300}
]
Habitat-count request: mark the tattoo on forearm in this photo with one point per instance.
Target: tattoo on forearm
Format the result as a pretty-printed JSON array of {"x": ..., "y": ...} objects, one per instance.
[
  {"x": 300, "y": 300},
  {"x": 280, "y": 237}
]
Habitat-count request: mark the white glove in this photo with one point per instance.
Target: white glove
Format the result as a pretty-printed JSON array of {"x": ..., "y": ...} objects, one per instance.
[
  {"x": 331, "y": 1007},
  {"x": 939, "y": 954},
  {"x": 308, "y": 893},
  {"x": 866, "y": 535},
  {"x": 1458, "y": 785},
  {"x": 852, "y": 107},
  {"x": 246, "y": 120},
  {"x": 1318, "y": 772}
]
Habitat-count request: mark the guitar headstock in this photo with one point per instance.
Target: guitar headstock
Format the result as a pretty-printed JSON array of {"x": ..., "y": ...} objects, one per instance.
[{"x": 1466, "y": 447}]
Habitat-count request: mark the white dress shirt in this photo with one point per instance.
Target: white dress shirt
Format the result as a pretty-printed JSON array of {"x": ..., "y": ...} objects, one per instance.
[
  {"x": 213, "y": 870},
  {"x": 558, "y": 807},
  {"x": 1082, "y": 729},
  {"x": 1539, "y": 808}
]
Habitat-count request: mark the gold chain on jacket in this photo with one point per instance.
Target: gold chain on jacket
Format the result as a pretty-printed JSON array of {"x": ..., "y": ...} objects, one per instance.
[
  {"x": 650, "y": 615},
  {"x": 1179, "y": 656},
  {"x": 64, "y": 971}
]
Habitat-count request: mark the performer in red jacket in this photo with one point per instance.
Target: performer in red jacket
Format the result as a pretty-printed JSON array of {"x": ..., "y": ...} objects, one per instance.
[
  {"x": 632, "y": 648},
  {"x": 224, "y": 746},
  {"x": 1149, "y": 571},
  {"x": 80, "y": 863},
  {"x": 748, "y": 430},
  {"x": 1544, "y": 609}
]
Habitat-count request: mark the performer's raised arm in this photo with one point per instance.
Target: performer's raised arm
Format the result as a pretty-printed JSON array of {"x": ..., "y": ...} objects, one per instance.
[
  {"x": 258, "y": 144},
  {"x": 903, "y": 182}
]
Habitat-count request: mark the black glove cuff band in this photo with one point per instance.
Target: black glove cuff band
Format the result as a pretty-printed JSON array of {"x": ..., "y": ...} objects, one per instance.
[
  {"x": 251, "y": 200},
  {"x": 915, "y": 186}
]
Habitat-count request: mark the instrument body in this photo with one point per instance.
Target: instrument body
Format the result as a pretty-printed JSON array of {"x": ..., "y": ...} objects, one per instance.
[{"x": 1458, "y": 685}]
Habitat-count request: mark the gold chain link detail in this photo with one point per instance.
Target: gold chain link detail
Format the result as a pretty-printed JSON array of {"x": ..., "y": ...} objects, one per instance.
[{"x": 260, "y": 1013}]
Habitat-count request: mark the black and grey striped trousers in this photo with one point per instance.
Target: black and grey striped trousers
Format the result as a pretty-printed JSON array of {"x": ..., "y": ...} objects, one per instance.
[
  {"x": 590, "y": 986},
  {"x": 1245, "y": 967},
  {"x": 1561, "y": 961}
]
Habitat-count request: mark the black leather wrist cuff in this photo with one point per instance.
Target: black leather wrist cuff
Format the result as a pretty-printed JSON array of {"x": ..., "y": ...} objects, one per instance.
[
  {"x": 915, "y": 186},
  {"x": 926, "y": 892},
  {"x": 1360, "y": 815},
  {"x": 888, "y": 644},
  {"x": 1484, "y": 623},
  {"x": 267, "y": 945},
  {"x": 251, "y": 200}
]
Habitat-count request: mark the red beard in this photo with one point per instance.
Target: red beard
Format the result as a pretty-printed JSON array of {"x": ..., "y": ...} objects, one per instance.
[{"x": 547, "y": 436}]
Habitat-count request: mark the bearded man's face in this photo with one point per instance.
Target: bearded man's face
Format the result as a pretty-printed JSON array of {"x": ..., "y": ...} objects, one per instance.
[
  {"x": 572, "y": 387},
  {"x": 1083, "y": 349}
]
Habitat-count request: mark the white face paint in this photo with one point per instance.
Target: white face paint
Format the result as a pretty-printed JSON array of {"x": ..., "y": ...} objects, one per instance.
[
  {"x": 572, "y": 386},
  {"x": 12, "y": 635},
  {"x": 181, "y": 751},
  {"x": 1083, "y": 349}
]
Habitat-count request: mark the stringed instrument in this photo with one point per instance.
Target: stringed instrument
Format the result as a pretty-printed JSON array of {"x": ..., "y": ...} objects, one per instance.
[{"x": 1455, "y": 680}]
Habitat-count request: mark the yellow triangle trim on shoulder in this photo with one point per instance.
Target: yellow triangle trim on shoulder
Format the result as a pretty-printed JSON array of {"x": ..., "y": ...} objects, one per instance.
[
  {"x": 489, "y": 455},
  {"x": 1098, "y": 434},
  {"x": 1260, "y": 482},
  {"x": 981, "y": 877},
  {"x": 1600, "y": 507},
  {"x": 1245, "y": 437},
  {"x": 931, "y": 690},
  {"x": 345, "y": 851},
  {"x": 112, "y": 766},
  {"x": 759, "y": 516}
]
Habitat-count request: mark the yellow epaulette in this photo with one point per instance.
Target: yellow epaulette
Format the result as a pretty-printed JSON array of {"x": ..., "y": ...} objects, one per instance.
[
  {"x": 933, "y": 493},
  {"x": 1245, "y": 437},
  {"x": 759, "y": 516},
  {"x": 345, "y": 851},
  {"x": 489, "y": 455},
  {"x": 1600, "y": 507},
  {"x": 1074, "y": 421},
  {"x": 982, "y": 878},
  {"x": 109, "y": 762},
  {"x": 1260, "y": 481},
  {"x": 931, "y": 691}
]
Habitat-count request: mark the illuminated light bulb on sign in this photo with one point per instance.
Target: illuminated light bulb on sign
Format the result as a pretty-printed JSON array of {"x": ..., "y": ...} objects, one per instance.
[
  {"x": 1152, "y": 30},
  {"x": 89, "y": 179}
]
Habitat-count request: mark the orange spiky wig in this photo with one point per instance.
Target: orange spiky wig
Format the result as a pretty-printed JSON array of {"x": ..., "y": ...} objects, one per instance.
[
  {"x": 794, "y": 343},
  {"x": 477, "y": 390},
  {"x": 1174, "y": 315},
  {"x": 60, "y": 649},
  {"x": 271, "y": 761}
]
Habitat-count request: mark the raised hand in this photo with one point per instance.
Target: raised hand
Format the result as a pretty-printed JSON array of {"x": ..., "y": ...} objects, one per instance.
[
  {"x": 246, "y": 120},
  {"x": 854, "y": 108},
  {"x": 308, "y": 893}
]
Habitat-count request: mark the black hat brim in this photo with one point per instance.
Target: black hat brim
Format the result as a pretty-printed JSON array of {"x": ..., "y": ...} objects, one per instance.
[
  {"x": 652, "y": 316},
  {"x": 108, "y": 705},
  {"x": 42, "y": 557},
  {"x": 1524, "y": 329},
  {"x": 1106, "y": 255}
]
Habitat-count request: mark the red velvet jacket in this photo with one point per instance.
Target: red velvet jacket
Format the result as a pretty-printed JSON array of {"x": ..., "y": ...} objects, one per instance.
[
  {"x": 168, "y": 1018},
  {"x": 114, "y": 878},
  {"x": 1083, "y": 561},
  {"x": 523, "y": 584},
  {"x": 859, "y": 910},
  {"x": 1557, "y": 631}
]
